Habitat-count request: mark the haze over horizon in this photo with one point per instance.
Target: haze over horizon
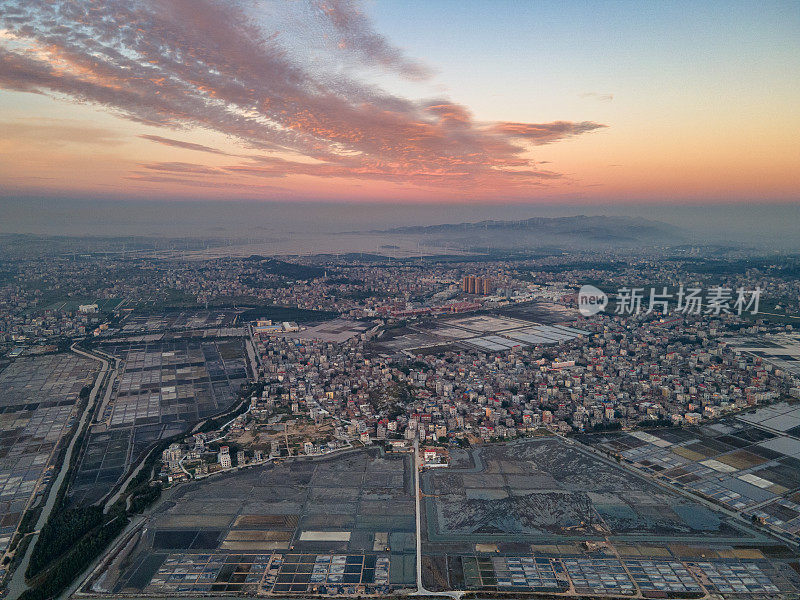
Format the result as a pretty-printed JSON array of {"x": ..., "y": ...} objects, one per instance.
[{"x": 760, "y": 226}]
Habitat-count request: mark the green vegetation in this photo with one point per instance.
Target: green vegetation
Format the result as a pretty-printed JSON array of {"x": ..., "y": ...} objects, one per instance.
[
  {"x": 271, "y": 266},
  {"x": 140, "y": 501},
  {"x": 286, "y": 313},
  {"x": 258, "y": 284},
  {"x": 60, "y": 532},
  {"x": 393, "y": 399},
  {"x": 784, "y": 266},
  {"x": 613, "y": 267},
  {"x": 343, "y": 281},
  {"x": 360, "y": 295},
  {"x": 7, "y": 273},
  {"x": 610, "y": 426},
  {"x": 77, "y": 558},
  {"x": 217, "y": 422},
  {"x": 656, "y": 423}
]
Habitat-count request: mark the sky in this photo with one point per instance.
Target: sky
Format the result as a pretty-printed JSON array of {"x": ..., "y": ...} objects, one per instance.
[{"x": 401, "y": 102}]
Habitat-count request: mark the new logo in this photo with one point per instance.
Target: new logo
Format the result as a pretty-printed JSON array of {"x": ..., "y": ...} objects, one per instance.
[{"x": 591, "y": 300}]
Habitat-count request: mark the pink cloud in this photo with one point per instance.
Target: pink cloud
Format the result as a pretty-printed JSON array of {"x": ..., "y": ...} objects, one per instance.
[
  {"x": 181, "y": 167},
  {"x": 356, "y": 35},
  {"x": 544, "y": 133},
  {"x": 180, "y": 144},
  {"x": 197, "y": 63}
]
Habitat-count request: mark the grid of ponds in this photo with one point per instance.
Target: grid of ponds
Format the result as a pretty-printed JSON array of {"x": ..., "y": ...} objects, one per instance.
[
  {"x": 616, "y": 577},
  {"x": 274, "y": 572},
  {"x": 179, "y": 320},
  {"x": 37, "y": 408},
  {"x": 209, "y": 572},
  {"x": 667, "y": 576},
  {"x": 742, "y": 578},
  {"x": 162, "y": 388},
  {"x": 536, "y": 573},
  {"x": 734, "y": 462},
  {"x": 591, "y": 575},
  {"x": 301, "y": 572}
]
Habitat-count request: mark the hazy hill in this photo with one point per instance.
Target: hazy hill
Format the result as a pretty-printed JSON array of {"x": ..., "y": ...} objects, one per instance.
[{"x": 580, "y": 230}]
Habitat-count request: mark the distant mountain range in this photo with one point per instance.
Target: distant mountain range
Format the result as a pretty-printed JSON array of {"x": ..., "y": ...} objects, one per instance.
[{"x": 578, "y": 230}]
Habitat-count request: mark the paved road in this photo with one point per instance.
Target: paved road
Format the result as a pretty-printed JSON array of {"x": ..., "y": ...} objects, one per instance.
[
  {"x": 421, "y": 591},
  {"x": 17, "y": 584},
  {"x": 252, "y": 352},
  {"x": 417, "y": 494},
  {"x": 109, "y": 387}
]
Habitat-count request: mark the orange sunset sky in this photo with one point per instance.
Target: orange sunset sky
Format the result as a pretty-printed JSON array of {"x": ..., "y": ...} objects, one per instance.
[{"x": 401, "y": 101}]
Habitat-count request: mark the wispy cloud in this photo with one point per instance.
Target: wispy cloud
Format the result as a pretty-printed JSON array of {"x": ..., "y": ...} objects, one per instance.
[
  {"x": 148, "y": 178},
  {"x": 545, "y": 133},
  {"x": 596, "y": 96},
  {"x": 180, "y": 144},
  {"x": 198, "y": 63},
  {"x": 181, "y": 167},
  {"x": 57, "y": 131},
  {"x": 355, "y": 34}
]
